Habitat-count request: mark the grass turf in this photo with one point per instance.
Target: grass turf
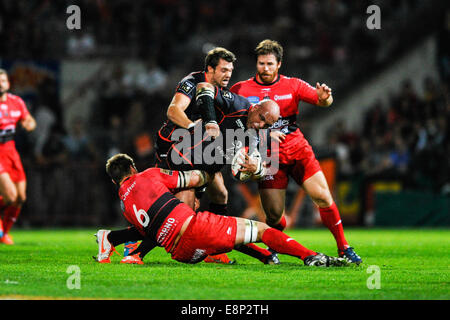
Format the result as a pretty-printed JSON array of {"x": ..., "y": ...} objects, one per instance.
[{"x": 413, "y": 264}]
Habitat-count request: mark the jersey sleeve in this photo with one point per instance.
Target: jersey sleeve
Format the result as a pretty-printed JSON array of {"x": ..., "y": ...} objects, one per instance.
[
  {"x": 170, "y": 178},
  {"x": 306, "y": 92},
  {"x": 187, "y": 87},
  {"x": 230, "y": 102},
  {"x": 23, "y": 108}
]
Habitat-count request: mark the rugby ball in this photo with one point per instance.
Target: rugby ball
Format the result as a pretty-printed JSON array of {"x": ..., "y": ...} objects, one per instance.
[{"x": 237, "y": 161}]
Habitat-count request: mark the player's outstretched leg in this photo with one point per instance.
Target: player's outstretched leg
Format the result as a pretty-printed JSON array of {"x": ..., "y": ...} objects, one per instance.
[
  {"x": 252, "y": 231},
  {"x": 317, "y": 188}
]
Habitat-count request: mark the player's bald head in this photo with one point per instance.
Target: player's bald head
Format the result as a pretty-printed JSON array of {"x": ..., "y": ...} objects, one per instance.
[
  {"x": 263, "y": 114},
  {"x": 271, "y": 109}
]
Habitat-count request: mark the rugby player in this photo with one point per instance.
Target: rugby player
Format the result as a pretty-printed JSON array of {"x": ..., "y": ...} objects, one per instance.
[
  {"x": 13, "y": 182},
  {"x": 235, "y": 113},
  {"x": 296, "y": 157},
  {"x": 188, "y": 236}
]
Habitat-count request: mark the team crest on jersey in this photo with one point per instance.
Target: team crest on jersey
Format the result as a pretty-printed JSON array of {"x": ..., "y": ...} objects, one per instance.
[
  {"x": 187, "y": 87},
  {"x": 227, "y": 95},
  {"x": 165, "y": 171},
  {"x": 253, "y": 99}
]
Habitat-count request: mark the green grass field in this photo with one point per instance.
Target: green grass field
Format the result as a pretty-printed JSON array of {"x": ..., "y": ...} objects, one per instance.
[{"x": 413, "y": 264}]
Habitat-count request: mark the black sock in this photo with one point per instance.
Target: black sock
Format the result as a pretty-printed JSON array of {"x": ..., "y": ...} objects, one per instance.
[
  {"x": 144, "y": 247},
  {"x": 220, "y": 209},
  {"x": 117, "y": 237}
]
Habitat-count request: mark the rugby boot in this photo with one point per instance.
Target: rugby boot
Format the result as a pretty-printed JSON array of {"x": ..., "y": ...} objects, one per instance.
[
  {"x": 219, "y": 258},
  {"x": 132, "y": 259},
  {"x": 322, "y": 260},
  {"x": 350, "y": 255}
]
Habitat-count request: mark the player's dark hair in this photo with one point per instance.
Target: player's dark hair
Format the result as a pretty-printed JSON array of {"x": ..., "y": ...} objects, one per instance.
[
  {"x": 118, "y": 166},
  {"x": 213, "y": 57},
  {"x": 267, "y": 46}
]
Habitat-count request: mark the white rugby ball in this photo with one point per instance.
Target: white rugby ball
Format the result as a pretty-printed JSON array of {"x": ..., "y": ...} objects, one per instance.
[{"x": 237, "y": 161}]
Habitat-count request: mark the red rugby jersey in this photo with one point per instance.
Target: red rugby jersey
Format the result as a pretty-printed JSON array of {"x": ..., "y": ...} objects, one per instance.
[
  {"x": 148, "y": 203},
  {"x": 12, "y": 111},
  {"x": 286, "y": 91}
]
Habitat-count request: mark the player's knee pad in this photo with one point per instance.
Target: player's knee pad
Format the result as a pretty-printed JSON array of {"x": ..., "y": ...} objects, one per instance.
[{"x": 251, "y": 232}]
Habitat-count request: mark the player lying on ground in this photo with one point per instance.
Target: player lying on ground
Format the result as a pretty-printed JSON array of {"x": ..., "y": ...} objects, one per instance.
[{"x": 188, "y": 236}]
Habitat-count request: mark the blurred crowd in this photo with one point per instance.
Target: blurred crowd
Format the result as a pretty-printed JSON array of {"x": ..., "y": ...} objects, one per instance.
[
  {"x": 322, "y": 40},
  {"x": 408, "y": 139}
]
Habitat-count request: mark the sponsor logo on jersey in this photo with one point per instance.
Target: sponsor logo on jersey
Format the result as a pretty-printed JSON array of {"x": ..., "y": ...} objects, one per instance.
[
  {"x": 268, "y": 177},
  {"x": 125, "y": 195},
  {"x": 15, "y": 113},
  {"x": 253, "y": 99},
  {"x": 282, "y": 97},
  {"x": 187, "y": 87},
  {"x": 265, "y": 93},
  {"x": 165, "y": 229},
  {"x": 4, "y": 107},
  {"x": 280, "y": 123},
  {"x": 165, "y": 171},
  {"x": 240, "y": 124}
]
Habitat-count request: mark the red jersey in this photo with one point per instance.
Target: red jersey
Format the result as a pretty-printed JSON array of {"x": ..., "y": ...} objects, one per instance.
[
  {"x": 12, "y": 111},
  {"x": 287, "y": 92},
  {"x": 149, "y": 205}
]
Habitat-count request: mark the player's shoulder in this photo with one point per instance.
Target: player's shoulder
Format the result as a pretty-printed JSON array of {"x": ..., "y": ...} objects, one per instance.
[
  {"x": 14, "y": 97},
  {"x": 188, "y": 84},
  {"x": 241, "y": 86},
  {"x": 195, "y": 77}
]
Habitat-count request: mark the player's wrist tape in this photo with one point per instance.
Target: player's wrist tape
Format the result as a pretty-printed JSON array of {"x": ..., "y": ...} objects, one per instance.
[
  {"x": 205, "y": 101},
  {"x": 212, "y": 121},
  {"x": 191, "y": 125}
]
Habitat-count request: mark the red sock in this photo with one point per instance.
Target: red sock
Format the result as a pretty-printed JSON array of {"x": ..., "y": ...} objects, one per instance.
[
  {"x": 9, "y": 218},
  {"x": 332, "y": 220},
  {"x": 254, "y": 251},
  {"x": 280, "y": 225},
  {"x": 282, "y": 243}
]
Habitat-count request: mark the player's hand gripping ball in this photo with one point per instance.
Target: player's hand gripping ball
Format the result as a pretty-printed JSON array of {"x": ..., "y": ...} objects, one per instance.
[{"x": 239, "y": 159}]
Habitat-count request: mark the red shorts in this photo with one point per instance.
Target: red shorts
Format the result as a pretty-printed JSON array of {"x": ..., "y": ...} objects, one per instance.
[
  {"x": 207, "y": 234},
  {"x": 296, "y": 159},
  {"x": 10, "y": 163}
]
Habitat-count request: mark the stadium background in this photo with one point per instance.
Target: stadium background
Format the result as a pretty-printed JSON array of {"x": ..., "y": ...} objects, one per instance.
[{"x": 384, "y": 144}]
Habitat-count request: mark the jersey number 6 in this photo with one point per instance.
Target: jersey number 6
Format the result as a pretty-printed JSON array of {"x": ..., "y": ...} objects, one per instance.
[{"x": 141, "y": 216}]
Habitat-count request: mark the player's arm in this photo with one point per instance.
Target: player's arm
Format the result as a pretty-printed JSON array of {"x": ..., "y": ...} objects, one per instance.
[
  {"x": 173, "y": 179},
  {"x": 175, "y": 112},
  {"x": 28, "y": 123},
  {"x": 205, "y": 101}
]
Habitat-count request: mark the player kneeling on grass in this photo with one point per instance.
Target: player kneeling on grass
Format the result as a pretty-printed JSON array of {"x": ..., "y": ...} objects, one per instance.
[{"x": 149, "y": 205}]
